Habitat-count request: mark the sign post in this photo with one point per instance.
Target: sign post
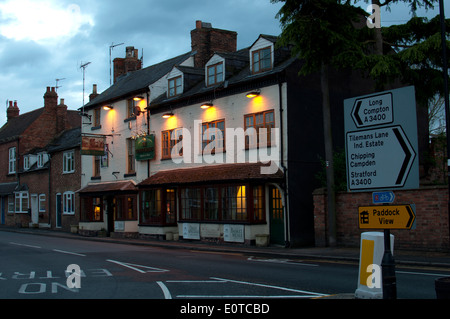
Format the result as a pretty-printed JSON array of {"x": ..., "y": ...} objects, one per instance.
[{"x": 381, "y": 155}]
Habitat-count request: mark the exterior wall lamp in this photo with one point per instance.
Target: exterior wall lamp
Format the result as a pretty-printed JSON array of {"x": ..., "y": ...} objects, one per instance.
[
  {"x": 167, "y": 115},
  {"x": 206, "y": 105},
  {"x": 107, "y": 107},
  {"x": 253, "y": 94},
  {"x": 138, "y": 98}
]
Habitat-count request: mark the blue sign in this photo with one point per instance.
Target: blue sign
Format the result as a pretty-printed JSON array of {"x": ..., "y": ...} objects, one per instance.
[{"x": 383, "y": 197}]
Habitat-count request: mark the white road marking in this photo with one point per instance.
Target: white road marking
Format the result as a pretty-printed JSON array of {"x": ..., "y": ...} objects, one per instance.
[
  {"x": 164, "y": 289},
  {"x": 282, "y": 261},
  {"x": 131, "y": 266},
  {"x": 68, "y": 252},
  {"x": 31, "y": 246}
]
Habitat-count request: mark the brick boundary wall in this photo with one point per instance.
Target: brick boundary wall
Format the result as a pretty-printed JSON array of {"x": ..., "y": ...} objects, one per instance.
[{"x": 432, "y": 225}]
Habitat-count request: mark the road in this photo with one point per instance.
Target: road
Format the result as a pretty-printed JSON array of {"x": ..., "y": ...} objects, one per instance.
[{"x": 34, "y": 266}]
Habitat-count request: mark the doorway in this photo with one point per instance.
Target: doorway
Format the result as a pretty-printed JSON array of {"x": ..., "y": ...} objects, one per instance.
[
  {"x": 3, "y": 209},
  {"x": 276, "y": 213},
  {"x": 58, "y": 210},
  {"x": 34, "y": 210}
]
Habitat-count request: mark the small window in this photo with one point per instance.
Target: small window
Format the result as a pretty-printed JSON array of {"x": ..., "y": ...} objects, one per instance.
[
  {"x": 69, "y": 162},
  {"x": 262, "y": 60},
  {"x": 96, "y": 167},
  {"x": 41, "y": 203},
  {"x": 12, "y": 160},
  {"x": 96, "y": 122},
  {"x": 69, "y": 203},
  {"x": 215, "y": 74},
  {"x": 42, "y": 159},
  {"x": 175, "y": 86},
  {"x": 10, "y": 203},
  {"x": 21, "y": 202},
  {"x": 131, "y": 163},
  {"x": 131, "y": 104}
]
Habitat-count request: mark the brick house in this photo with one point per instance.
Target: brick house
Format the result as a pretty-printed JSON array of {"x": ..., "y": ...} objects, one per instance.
[{"x": 24, "y": 180}]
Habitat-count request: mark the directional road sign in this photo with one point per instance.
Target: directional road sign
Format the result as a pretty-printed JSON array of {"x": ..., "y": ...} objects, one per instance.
[
  {"x": 381, "y": 141},
  {"x": 387, "y": 217},
  {"x": 383, "y": 197},
  {"x": 373, "y": 110},
  {"x": 378, "y": 158}
]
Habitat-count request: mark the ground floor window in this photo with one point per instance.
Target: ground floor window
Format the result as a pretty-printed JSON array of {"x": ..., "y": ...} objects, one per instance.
[
  {"x": 21, "y": 202},
  {"x": 223, "y": 203},
  {"x": 125, "y": 207},
  {"x": 158, "y": 207},
  {"x": 69, "y": 203},
  {"x": 92, "y": 209}
]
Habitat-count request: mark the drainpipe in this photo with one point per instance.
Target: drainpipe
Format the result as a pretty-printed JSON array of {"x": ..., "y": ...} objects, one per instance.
[
  {"x": 284, "y": 186},
  {"x": 148, "y": 129}
]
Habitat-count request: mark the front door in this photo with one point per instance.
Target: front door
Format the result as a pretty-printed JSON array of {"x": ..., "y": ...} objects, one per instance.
[
  {"x": 58, "y": 210},
  {"x": 276, "y": 213},
  {"x": 110, "y": 214},
  {"x": 34, "y": 209},
  {"x": 3, "y": 204}
]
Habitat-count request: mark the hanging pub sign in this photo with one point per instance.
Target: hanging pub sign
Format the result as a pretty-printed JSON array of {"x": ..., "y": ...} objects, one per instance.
[
  {"x": 145, "y": 147},
  {"x": 93, "y": 145}
]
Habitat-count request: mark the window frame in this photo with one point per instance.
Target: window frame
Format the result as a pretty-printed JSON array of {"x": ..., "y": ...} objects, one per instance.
[
  {"x": 267, "y": 125},
  {"x": 68, "y": 203},
  {"x": 258, "y": 66},
  {"x": 215, "y": 74},
  {"x": 12, "y": 158},
  {"x": 97, "y": 117},
  {"x": 69, "y": 162},
  {"x": 247, "y": 215},
  {"x": 131, "y": 156},
  {"x": 19, "y": 201},
  {"x": 157, "y": 207},
  {"x": 122, "y": 206},
  {"x": 173, "y": 87},
  {"x": 168, "y": 142},
  {"x": 41, "y": 203},
  {"x": 208, "y": 141}
]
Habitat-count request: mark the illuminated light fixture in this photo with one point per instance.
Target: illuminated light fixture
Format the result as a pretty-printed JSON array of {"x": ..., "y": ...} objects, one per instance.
[
  {"x": 138, "y": 98},
  {"x": 167, "y": 115},
  {"x": 253, "y": 94},
  {"x": 107, "y": 107},
  {"x": 206, "y": 105}
]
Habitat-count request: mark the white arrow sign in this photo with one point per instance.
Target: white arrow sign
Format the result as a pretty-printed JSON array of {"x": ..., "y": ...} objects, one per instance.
[
  {"x": 373, "y": 110},
  {"x": 378, "y": 158}
]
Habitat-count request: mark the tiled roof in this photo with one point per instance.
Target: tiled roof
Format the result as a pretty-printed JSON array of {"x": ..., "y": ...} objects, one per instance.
[
  {"x": 239, "y": 172},
  {"x": 67, "y": 140},
  {"x": 109, "y": 187},
  {"x": 137, "y": 81},
  {"x": 17, "y": 125}
]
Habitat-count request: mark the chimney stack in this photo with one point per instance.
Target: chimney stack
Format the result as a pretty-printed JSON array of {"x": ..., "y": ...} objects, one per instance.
[
  {"x": 130, "y": 63},
  {"x": 94, "y": 93},
  {"x": 50, "y": 99},
  {"x": 206, "y": 40},
  {"x": 12, "y": 111},
  {"x": 61, "y": 117}
]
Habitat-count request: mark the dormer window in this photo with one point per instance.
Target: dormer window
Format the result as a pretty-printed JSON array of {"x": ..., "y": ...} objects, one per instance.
[
  {"x": 175, "y": 86},
  {"x": 26, "y": 162},
  {"x": 261, "y": 60},
  {"x": 215, "y": 74},
  {"x": 42, "y": 158}
]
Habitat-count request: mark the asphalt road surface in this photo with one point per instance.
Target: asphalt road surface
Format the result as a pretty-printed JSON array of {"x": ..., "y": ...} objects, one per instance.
[{"x": 36, "y": 267}]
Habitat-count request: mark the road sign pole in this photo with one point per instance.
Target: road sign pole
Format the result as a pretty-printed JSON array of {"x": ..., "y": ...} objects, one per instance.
[{"x": 388, "y": 269}]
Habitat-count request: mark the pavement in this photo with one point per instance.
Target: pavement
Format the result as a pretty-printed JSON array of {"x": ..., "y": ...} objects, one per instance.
[{"x": 338, "y": 254}]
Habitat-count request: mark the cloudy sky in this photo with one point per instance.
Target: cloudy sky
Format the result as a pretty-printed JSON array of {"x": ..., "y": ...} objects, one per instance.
[{"x": 45, "y": 40}]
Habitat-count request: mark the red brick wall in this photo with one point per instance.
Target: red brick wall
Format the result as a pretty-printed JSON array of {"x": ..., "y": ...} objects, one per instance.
[
  {"x": 432, "y": 224},
  {"x": 61, "y": 183}
]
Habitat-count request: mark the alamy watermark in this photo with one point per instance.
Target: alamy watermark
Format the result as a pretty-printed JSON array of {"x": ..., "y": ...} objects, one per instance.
[
  {"x": 374, "y": 279},
  {"x": 252, "y": 145},
  {"x": 74, "y": 276},
  {"x": 374, "y": 20}
]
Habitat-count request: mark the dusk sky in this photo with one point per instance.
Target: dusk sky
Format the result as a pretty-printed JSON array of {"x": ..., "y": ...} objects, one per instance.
[{"x": 45, "y": 40}]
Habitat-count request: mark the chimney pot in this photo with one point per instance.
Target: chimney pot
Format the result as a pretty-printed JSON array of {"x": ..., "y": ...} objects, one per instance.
[{"x": 198, "y": 24}]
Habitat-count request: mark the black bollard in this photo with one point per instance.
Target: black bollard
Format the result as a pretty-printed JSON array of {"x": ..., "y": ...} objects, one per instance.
[{"x": 388, "y": 269}]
